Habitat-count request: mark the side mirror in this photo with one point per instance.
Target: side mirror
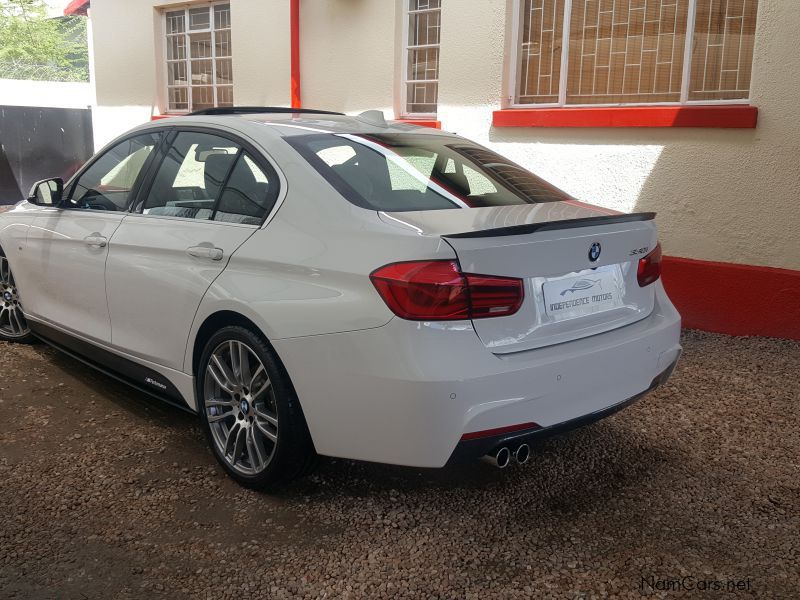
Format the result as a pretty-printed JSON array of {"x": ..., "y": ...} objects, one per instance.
[{"x": 47, "y": 192}]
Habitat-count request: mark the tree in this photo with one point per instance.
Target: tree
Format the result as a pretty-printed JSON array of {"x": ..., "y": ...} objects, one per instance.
[{"x": 33, "y": 46}]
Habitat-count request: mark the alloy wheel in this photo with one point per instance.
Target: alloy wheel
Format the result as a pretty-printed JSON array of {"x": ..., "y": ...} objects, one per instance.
[
  {"x": 240, "y": 407},
  {"x": 12, "y": 320}
]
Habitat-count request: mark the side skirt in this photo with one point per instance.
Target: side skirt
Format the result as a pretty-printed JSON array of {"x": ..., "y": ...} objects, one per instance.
[{"x": 126, "y": 371}]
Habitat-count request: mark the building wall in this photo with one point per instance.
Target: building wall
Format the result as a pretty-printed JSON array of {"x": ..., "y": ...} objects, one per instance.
[
  {"x": 129, "y": 50},
  {"x": 348, "y": 57},
  {"x": 261, "y": 45},
  {"x": 722, "y": 194},
  {"x": 125, "y": 46},
  {"x": 347, "y": 54}
]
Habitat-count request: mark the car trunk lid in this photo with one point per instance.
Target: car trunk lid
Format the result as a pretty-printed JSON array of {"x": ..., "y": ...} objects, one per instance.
[{"x": 578, "y": 264}]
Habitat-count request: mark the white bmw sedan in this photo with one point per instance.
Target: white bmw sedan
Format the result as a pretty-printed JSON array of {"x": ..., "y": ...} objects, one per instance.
[{"x": 314, "y": 283}]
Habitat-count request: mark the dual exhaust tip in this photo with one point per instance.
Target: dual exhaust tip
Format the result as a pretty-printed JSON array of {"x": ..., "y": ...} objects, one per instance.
[{"x": 501, "y": 457}]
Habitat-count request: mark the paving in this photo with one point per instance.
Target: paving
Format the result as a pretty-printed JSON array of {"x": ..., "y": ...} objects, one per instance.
[{"x": 694, "y": 490}]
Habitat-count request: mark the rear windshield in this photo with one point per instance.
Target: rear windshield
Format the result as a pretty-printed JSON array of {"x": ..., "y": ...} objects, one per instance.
[{"x": 402, "y": 172}]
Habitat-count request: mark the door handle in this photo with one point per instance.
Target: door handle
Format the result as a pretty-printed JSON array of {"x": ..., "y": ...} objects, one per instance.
[
  {"x": 96, "y": 240},
  {"x": 209, "y": 252}
]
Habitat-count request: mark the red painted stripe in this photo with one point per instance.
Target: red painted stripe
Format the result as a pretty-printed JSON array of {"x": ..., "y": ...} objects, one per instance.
[
  {"x": 475, "y": 435},
  {"x": 734, "y": 299},
  {"x": 723, "y": 116},
  {"x": 421, "y": 123},
  {"x": 294, "y": 26}
]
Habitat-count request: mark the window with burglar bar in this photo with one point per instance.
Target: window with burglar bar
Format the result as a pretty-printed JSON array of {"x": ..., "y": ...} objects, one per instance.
[
  {"x": 198, "y": 55},
  {"x": 607, "y": 52},
  {"x": 421, "y": 64}
]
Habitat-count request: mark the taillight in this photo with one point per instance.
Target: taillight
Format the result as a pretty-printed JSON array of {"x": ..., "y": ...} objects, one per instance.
[
  {"x": 436, "y": 290},
  {"x": 649, "y": 267},
  {"x": 433, "y": 290},
  {"x": 493, "y": 296}
]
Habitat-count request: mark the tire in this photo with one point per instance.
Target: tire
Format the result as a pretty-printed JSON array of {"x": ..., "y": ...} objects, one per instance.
[
  {"x": 13, "y": 325},
  {"x": 250, "y": 412}
]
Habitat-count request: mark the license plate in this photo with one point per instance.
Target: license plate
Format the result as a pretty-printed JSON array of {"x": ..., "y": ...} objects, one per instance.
[{"x": 580, "y": 295}]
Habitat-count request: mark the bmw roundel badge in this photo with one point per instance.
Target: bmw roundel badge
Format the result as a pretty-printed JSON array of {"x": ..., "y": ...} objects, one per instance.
[{"x": 594, "y": 251}]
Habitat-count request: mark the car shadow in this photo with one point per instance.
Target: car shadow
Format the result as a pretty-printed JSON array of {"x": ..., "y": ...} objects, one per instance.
[
  {"x": 124, "y": 397},
  {"x": 605, "y": 458}
]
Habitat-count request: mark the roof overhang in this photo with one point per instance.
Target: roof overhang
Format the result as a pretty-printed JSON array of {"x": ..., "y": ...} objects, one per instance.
[{"x": 77, "y": 7}]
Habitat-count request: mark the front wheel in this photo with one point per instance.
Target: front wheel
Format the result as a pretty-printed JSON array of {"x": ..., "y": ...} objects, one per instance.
[
  {"x": 13, "y": 325},
  {"x": 249, "y": 410}
]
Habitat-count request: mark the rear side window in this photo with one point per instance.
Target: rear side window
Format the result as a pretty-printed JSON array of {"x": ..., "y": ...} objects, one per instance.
[
  {"x": 189, "y": 179},
  {"x": 208, "y": 177},
  {"x": 404, "y": 172},
  {"x": 248, "y": 195}
]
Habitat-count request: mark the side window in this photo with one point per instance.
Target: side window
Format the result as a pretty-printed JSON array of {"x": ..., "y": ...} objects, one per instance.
[
  {"x": 336, "y": 155},
  {"x": 479, "y": 185},
  {"x": 189, "y": 179},
  {"x": 107, "y": 183},
  {"x": 411, "y": 171},
  {"x": 249, "y": 194}
]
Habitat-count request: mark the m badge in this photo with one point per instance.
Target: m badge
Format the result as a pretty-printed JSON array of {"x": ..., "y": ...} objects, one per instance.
[{"x": 594, "y": 251}]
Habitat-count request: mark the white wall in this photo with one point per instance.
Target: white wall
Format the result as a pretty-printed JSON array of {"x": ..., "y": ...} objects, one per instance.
[
  {"x": 347, "y": 54},
  {"x": 129, "y": 70},
  {"x": 61, "y": 94},
  {"x": 124, "y": 36},
  {"x": 261, "y": 47}
]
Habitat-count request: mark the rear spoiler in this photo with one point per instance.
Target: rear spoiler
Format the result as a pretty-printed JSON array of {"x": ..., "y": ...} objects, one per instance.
[{"x": 551, "y": 225}]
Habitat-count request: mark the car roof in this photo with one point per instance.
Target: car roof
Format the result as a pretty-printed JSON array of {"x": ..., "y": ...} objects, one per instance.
[{"x": 289, "y": 124}]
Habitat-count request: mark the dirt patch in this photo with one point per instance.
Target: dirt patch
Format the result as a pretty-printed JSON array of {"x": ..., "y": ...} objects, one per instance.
[{"x": 108, "y": 495}]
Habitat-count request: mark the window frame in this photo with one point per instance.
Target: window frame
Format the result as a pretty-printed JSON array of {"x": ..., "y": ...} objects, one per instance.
[
  {"x": 165, "y": 62},
  {"x": 259, "y": 157},
  {"x": 515, "y": 68},
  {"x": 404, "y": 81},
  {"x": 141, "y": 178}
]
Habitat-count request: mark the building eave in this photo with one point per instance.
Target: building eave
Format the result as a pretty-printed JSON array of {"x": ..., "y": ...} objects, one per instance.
[{"x": 77, "y": 7}]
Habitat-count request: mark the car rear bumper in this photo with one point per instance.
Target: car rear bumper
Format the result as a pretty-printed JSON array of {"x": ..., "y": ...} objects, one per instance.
[
  {"x": 407, "y": 393},
  {"x": 476, "y": 447}
]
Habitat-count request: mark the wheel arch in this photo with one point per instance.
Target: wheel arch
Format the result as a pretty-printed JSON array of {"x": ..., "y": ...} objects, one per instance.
[
  {"x": 216, "y": 321},
  {"x": 223, "y": 318},
  {"x": 303, "y": 457},
  {"x": 18, "y": 329}
]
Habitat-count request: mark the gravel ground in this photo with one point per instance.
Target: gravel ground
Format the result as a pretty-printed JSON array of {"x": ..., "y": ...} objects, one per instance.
[{"x": 107, "y": 495}]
